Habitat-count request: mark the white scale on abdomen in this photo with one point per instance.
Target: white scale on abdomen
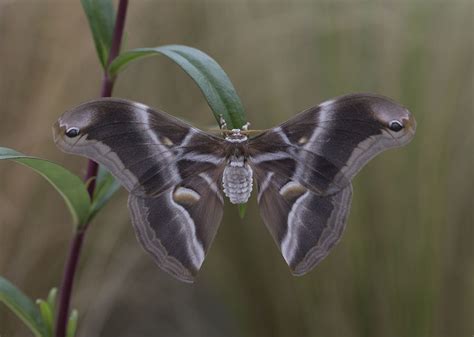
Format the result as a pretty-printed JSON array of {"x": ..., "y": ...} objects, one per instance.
[{"x": 237, "y": 180}]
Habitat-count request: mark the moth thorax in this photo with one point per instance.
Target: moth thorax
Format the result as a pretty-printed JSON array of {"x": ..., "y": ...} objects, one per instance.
[
  {"x": 237, "y": 180},
  {"x": 235, "y": 136}
]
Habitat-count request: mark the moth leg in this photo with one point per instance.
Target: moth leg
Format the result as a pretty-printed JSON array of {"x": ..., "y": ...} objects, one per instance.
[{"x": 246, "y": 126}]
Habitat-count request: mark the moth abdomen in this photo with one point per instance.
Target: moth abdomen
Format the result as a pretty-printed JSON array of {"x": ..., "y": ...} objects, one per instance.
[{"x": 237, "y": 180}]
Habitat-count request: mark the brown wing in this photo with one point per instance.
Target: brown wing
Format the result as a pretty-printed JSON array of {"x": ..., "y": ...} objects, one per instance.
[
  {"x": 324, "y": 147},
  {"x": 304, "y": 169},
  {"x": 146, "y": 150},
  {"x": 170, "y": 169},
  {"x": 178, "y": 227},
  {"x": 304, "y": 225}
]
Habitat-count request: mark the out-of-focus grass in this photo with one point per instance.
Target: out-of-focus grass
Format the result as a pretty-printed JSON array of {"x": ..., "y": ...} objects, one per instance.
[{"x": 405, "y": 264}]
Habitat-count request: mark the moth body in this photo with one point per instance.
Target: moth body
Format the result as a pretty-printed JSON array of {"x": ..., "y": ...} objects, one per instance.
[{"x": 237, "y": 178}]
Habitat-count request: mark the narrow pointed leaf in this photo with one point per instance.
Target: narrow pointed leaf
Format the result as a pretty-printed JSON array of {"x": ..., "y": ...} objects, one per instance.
[
  {"x": 72, "y": 324},
  {"x": 101, "y": 17},
  {"x": 69, "y": 186},
  {"x": 52, "y": 296},
  {"x": 23, "y": 307},
  {"x": 205, "y": 71},
  {"x": 47, "y": 315}
]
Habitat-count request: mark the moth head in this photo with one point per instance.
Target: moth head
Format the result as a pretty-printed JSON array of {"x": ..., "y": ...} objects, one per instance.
[{"x": 395, "y": 121}]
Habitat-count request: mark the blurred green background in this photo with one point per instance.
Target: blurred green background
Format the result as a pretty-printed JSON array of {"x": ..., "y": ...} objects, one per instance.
[{"x": 405, "y": 266}]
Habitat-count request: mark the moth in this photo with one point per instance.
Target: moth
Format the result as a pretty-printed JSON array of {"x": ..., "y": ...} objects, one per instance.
[{"x": 178, "y": 176}]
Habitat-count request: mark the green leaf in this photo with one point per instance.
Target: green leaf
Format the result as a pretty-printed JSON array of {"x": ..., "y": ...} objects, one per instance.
[
  {"x": 23, "y": 307},
  {"x": 69, "y": 186},
  {"x": 46, "y": 314},
  {"x": 107, "y": 185},
  {"x": 48, "y": 309},
  {"x": 72, "y": 324},
  {"x": 101, "y": 17},
  {"x": 205, "y": 71}
]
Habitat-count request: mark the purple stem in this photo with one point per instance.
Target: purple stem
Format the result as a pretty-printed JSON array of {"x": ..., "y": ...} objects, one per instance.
[{"x": 92, "y": 168}]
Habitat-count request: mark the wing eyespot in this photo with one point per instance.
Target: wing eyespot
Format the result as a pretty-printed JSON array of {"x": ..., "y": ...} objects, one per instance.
[
  {"x": 72, "y": 132},
  {"x": 395, "y": 125}
]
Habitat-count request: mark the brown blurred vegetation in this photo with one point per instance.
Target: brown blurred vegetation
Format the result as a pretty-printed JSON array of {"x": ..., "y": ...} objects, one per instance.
[{"x": 405, "y": 265}]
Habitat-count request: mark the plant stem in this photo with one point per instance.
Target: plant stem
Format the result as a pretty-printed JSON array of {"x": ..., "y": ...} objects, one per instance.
[
  {"x": 68, "y": 280},
  {"x": 108, "y": 82},
  {"x": 92, "y": 168}
]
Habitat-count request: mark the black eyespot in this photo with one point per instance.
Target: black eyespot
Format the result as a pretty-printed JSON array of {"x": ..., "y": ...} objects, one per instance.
[
  {"x": 72, "y": 132},
  {"x": 395, "y": 125}
]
